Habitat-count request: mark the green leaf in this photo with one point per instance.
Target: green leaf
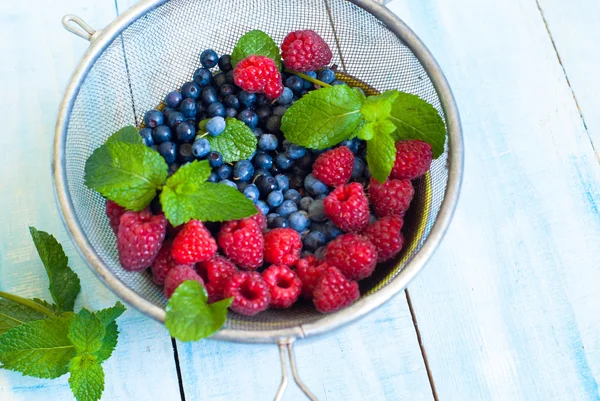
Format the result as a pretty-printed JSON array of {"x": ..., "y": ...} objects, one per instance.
[
  {"x": 237, "y": 142},
  {"x": 64, "y": 283},
  {"x": 40, "y": 348},
  {"x": 379, "y": 107},
  {"x": 417, "y": 119},
  {"x": 190, "y": 317},
  {"x": 13, "y": 314},
  {"x": 323, "y": 118},
  {"x": 183, "y": 200},
  {"x": 86, "y": 332},
  {"x": 258, "y": 43},
  {"x": 108, "y": 317},
  {"x": 51, "y": 307},
  {"x": 127, "y": 134},
  {"x": 126, "y": 173},
  {"x": 381, "y": 151},
  {"x": 87, "y": 377}
]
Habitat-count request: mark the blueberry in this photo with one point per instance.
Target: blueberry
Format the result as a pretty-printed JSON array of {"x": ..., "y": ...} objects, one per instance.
[
  {"x": 314, "y": 240},
  {"x": 262, "y": 207},
  {"x": 296, "y": 182},
  {"x": 267, "y": 142},
  {"x": 320, "y": 253},
  {"x": 262, "y": 100},
  {"x": 173, "y": 99},
  {"x": 249, "y": 118},
  {"x": 146, "y": 134},
  {"x": 280, "y": 222},
  {"x": 209, "y": 58},
  {"x": 167, "y": 112},
  {"x": 265, "y": 184},
  {"x": 251, "y": 192},
  {"x": 232, "y": 101},
  {"x": 202, "y": 77},
  {"x": 216, "y": 109},
  {"x": 257, "y": 132},
  {"x": 224, "y": 171},
  {"x": 201, "y": 147},
  {"x": 187, "y": 107},
  {"x": 184, "y": 153},
  {"x": 321, "y": 197},
  {"x": 273, "y": 124},
  {"x": 286, "y": 208},
  {"x": 173, "y": 168},
  {"x": 185, "y": 132},
  {"x": 338, "y": 82},
  {"x": 175, "y": 118},
  {"x": 315, "y": 186},
  {"x": 228, "y": 183},
  {"x": 261, "y": 171},
  {"x": 352, "y": 144},
  {"x": 209, "y": 95},
  {"x": 286, "y": 96},
  {"x": 283, "y": 183},
  {"x": 367, "y": 173},
  {"x": 295, "y": 152},
  {"x": 190, "y": 90},
  {"x": 372, "y": 218},
  {"x": 230, "y": 77},
  {"x": 200, "y": 109},
  {"x": 168, "y": 150},
  {"x": 215, "y": 159},
  {"x": 213, "y": 177},
  {"x": 263, "y": 113},
  {"x": 299, "y": 172},
  {"x": 161, "y": 133},
  {"x": 225, "y": 63},
  {"x": 216, "y": 125},
  {"x": 293, "y": 195},
  {"x": 359, "y": 168},
  {"x": 280, "y": 110},
  {"x": 191, "y": 121},
  {"x": 230, "y": 112},
  {"x": 305, "y": 162},
  {"x": 299, "y": 221},
  {"x": 305, "y": 203},
  {"x": 275, "y": 198},
  {"x": 228, "y": 89},
  {"x": 306, "y": 253},
  {"x": 247, "y": 99},
  {"x": 283, "y": 162},
  {"x": 219, "y": 79},
  {"x": 326, "y": 75},
  {"x": 286, "y": 143},
  {"x": 331, "y": 231},
  {"x": 270, "y": 218},
  {"x": 307, "y": 84},
  {"x": 243, "y": 170},
  {"x": 263, "y": 160},
  {"x": 316, "y": 226},
  {"x": 316, "y": 210},
  {"x": 295, "y": 83},
  {"x": 153, "y": 118}
]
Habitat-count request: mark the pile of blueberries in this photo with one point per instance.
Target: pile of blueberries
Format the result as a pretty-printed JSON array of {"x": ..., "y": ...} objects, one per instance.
[{"x": 277, "y": 178}]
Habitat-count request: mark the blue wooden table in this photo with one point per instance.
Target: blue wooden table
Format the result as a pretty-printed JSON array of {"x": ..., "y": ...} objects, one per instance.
[{"x": 507, "y": 309}]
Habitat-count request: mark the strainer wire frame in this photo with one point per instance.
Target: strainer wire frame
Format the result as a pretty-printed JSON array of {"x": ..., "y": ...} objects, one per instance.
[{"x": 100, "y": 40}]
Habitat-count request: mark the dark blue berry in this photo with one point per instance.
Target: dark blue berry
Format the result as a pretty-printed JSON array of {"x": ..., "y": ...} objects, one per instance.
[
  {"x": 190, "y": 90},
  {"x": 202, "y": 77},
  {"x": 173, "y": 99},
  {"x": 299, "y": 172},
  {"x": 305, "y": 162},
  {"x": 216, "y": 125},
  {"x": 283, "y": 162},
  {"x": 161, "y": 133},
  {"x": 185, "y": 132},
  {"x": 247, "y": 99},
  {"x": 299, "y": 221},
  {"x": 338, "y": 82},
  {"x": 286, "y": 143},
  {"x": 167, "y": 112},
  {"x": 295, "y": 152},
  {"x": 213, "y": 177},
  {"x": 331, "y": 231},
  {"x": 305, "y": 203},
  {"x": 224, "y": 171},
  {"x": 307, "y": 84},
  {"x": 267, "y": 142},
  {"x": 230, "y": 112},
  {"x": 242, "y": 185},
  {"x": 215, "y": 159},
  {"x": 296, "y": 182},
  {"x": 201, "y": 147},
  {"x": 200, "y": 109},
  {"x": 184, "y": 153},
  {"x": 209, "y": 58},
  {"x": 280, "y": 110},
  {"x": 295, "y": 83},
  {"x": 314, "y": 240},
  {"x": 219, "y": 79},
  {"x": 231, "y": 101},
  {"x": 216, "y": 109},
  {"x": 286, "y": 96},
  {"x": 263, "y": 160},
  {"x": 187, "y": 107},
  {"x": 249, "y": 118},
  {"x": 286, "y": 208},
  {"x": 315, "y": 186},
  {"x": 209, "y": 95},
  {"x": 168, "y": 150},
  {"x": 154, "y": 118},
  {"x": 293, "y": 195},
  {"x": 273, "y": 124},
  {"x": 251, "y": 192},
  {"x": 359, "y": 168},
  {"x": 257, "y": 132},
  {"x": 243, "y": 170},
  {"x": 316, "y": 210},
  {"x": 283, "y": 183},
  {"x": 263, "y": 112},
  {"x": 261, "y": 171},
  {"x": 280, "y": 222},
  {"x": 228, "y": 183},
  {"x": 275, "y": 198},
  {"x": 270, "y": 218},
  {"x": 265, "y": 184},
  {"x": 146, "y": 134},
  {"x": 228, "y": 89},
  {"x": 367, "y": 173},
  {"x": 175, "y": 118},
  {"x": 230, "y": 77},
  {"x": 225, "y": 63},
  {"x": 352, "y": 144},
  {"x": 262, "y": 207},
  {"x": 262, "y": 100},
  {"x": 326, "y": 75}
]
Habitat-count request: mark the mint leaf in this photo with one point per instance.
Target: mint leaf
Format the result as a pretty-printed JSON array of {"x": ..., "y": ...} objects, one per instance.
[
  {"x": 51, "y": 307},
  {"x": 109, "y": 315},
  {"x": 13, "y": 314},
  {"x": 87, "y": 377},
  {"x": 64, "y": 283},
  {"x": 237, "y": 142},
  {"x": 417, "y": 119},
  {"x": 126, "y": 173},
  {"x": 381, "y": 150},
  {"x": 323, "y": 118},
  {"x": 190, "y": 317},
  {"x": 40, "y": 348},
  {"x": 258, "y": 43},
  {"x": 127, "y": 134},
  {"x": 86, "y": 332},
  {"x": 111, "y": 334},
  {"x": 379, "y": 107}
]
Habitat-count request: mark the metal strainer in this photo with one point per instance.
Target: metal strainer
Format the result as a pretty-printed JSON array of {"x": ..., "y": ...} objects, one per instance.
[{"x": 154, "y": 47}]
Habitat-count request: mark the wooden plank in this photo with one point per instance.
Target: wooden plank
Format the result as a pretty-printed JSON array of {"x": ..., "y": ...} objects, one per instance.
[
  {"x": 39, "y": 56},
  {"x": 508, "y": 307}
]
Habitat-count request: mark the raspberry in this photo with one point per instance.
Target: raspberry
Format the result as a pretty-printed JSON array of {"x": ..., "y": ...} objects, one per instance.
[
  {"x": 242, "y": 242},
  {"x": 284, "y": 285},
  {"x": 178, "y": 275},
  {"x": 386, "y": 236},
  {"x": 334, "y": 167},
  {"x": 413, "y": 159},
  {"x": 391, "y": 197},
  {"x": 305, "y": 51},
  {"x": 354, "y": 255},
  {"x": 114, "y": 213},
  {"x": 334, "y": 291},
  {"x": 249, "y": 291},
  {"x": 259, "y": 74},
  {"x": 215, "y": 273},
  {"x": 139, "y": 239},
  {"x": 163, "y": 263},
  {"x": 282, "y": 246},
  {"x": 193, "y": 244},
  {"x": 347, "y": 207},
  {"x": 260, "y": 219},
  {"x": 309, "y": 271}
]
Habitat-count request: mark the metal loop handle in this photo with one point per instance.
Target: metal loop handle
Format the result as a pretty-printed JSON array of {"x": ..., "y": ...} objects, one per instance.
[
  {"x": 79, "y": 27},
  {"x": 283, "y": 346}
]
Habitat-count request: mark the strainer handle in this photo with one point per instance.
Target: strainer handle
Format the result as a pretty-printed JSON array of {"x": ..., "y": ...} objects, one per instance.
[
  {"x": 79, "y": 27},
  {"x": 287, "y": 347}
]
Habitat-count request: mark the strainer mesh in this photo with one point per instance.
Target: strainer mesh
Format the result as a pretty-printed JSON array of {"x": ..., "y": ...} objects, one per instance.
[{"x": 160, "y": 51}]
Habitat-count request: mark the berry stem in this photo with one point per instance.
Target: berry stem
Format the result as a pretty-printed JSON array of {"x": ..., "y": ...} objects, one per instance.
[
  {"x": 26, "y": 302},
  {"x": 306, "y": 77}
]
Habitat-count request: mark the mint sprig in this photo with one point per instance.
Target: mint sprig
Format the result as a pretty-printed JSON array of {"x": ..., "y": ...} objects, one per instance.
[
  {"x": 258, "y": 43},
  {"x": 237, "y": 142}
]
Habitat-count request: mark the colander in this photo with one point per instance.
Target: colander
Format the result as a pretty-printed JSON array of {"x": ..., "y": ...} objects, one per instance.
[{"x": 154, "y": 47}]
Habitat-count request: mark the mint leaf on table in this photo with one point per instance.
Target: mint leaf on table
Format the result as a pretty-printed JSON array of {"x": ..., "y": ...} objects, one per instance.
[
  {"x": 381, "y": 150},
  {"x": 51, "y": 307},
  {"x": 126, "y": 173},
  {"x": 86, "y": 332},
  {"x": 13, "y": 314},
  {"x": 258, "y": 43},
  {"x": 189, "y": 315},
  {"x": 323, "y": 118},
  {"x": 127, "y": 134},
  {"x": 417, "y": 119},
  {"x": 87, "y": 377},
  {"x": 111, "y": 334},
  {"x": 237, "y": 142},
  {"x": 40, "y": 348},
  {"x": 380, "y": 106},
  {"x": 64, "y": 283}
]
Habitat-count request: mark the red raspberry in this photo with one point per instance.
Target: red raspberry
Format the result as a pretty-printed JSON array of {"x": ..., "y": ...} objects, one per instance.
[
  {"x": 114, "y": 213},
  {"x": 178, "y": 275},
  {"x": 215, "y": 273},
  {"x": 386, "y": 236},
  {"x": 242, "y": 242},
  {"x": 193, "y": 244},
  {"x": 391, "y": 197},
  {"x": 282, "y": 246},
  {"x": 258, "y": 74},
  {"x": 305, "y": 51},
  {"x": 334, "y": 167},
  {"x": 163, "y": 263},
  {"x": 260, "y": 219},
  {"x": 309, "y": 271},
  {"x": 353, "y": 254},
  {"x": 139, "y": 239},
  {"x": 334, "y": 291},
  {"x": 348, "y": 207},
  {"x": 284, "y": 285},
  {"x": 413, "y": 159},
  {"x": 249, "y": 291}
]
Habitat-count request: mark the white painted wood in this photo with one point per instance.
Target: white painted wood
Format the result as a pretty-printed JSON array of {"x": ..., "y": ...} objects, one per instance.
[
  {"x": 38, "y": 58},
  {"x": 509, "y": 307}
]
